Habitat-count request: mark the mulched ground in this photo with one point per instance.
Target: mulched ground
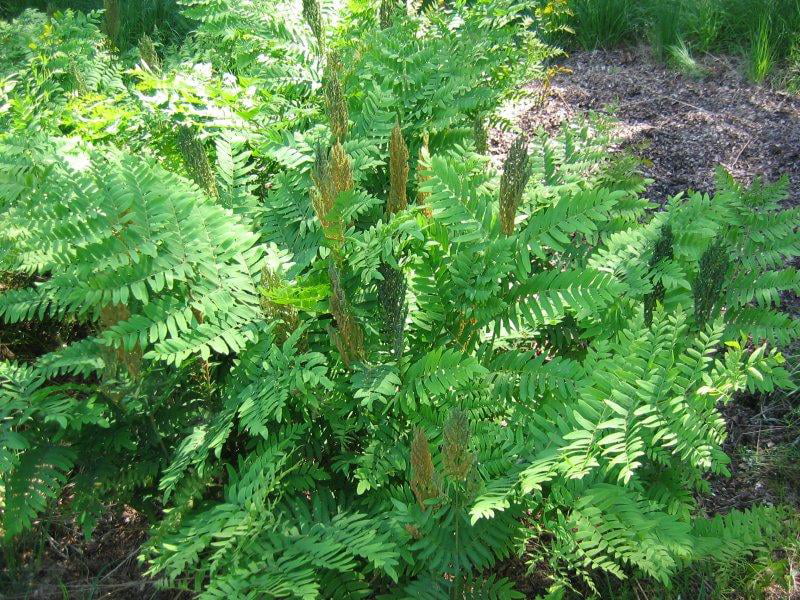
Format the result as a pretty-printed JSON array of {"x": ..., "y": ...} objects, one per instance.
[{"x": 683, "y": 126}]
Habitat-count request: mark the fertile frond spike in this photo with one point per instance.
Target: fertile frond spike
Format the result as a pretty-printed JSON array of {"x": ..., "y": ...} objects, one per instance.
[
  {"x": 313, "y": 16},
  {"x": 335, "y": 100},
  {"x": 398, "y": 171},
  {"x": 392, "y": 296},
  {"x": 423, "y": 164},
  {"x": 423, "y": 476},
  {"x": 341, "y": 175},
  {"x": 320, "y": 175},
  {"x": 149, "y": 55},
  {"x": 331, "y": 176},
  {"x": 480, "y": 134},
  {"x": 347, "y": 337},
  {"x": 713, "y": 270},
  {"x": 516, "y": 173},
  {"x": 323, "y": 195},
  {"x": 457, "y": 460},
  {"x": 662, "y": 251},
  {"x": 196, "y": 160}
]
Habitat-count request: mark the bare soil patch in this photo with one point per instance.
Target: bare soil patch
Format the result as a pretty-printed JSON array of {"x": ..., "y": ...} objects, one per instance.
[{"x": 63, "y": 564}]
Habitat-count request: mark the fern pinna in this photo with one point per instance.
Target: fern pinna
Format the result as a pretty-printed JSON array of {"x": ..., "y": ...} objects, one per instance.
[{"x": 332, "y": 352}]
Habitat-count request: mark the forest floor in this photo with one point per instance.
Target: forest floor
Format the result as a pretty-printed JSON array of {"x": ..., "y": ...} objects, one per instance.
[{"x": 682, "y": 127}]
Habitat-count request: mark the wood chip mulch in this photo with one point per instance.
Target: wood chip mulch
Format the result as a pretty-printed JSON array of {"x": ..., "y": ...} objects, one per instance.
[{"x": 682, "y": 126}]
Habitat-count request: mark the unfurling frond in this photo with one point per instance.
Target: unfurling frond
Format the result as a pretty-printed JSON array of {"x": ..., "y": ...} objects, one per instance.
[
  {"x": 423, "y": 476},
  {"x": 398, "y": 171},
  {"x": 516, "y": 173},
  {"x": 335, "y": 100},
  {"x": 714, "y": 267}
]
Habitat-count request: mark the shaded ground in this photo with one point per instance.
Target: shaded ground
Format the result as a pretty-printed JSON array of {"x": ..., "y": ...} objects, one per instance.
[{"x": 67, "y": 566}]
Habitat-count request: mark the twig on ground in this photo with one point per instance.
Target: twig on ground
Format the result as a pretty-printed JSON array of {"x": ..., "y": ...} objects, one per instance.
[
  {"x": 739, "y": 155},
  {"x": 679, "y": 101}
]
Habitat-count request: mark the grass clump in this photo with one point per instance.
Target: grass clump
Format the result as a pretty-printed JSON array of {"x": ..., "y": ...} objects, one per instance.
[
  {"x": 761, "y": 55},
  {"x": 602, "y": 23}
]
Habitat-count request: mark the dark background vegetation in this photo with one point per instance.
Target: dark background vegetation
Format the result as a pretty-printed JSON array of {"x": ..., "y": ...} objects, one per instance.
[{"x": 160, "y": 19}]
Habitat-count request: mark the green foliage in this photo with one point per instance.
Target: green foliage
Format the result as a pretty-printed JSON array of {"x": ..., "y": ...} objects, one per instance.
[
  {"x": 318, "y": 387},
  {"x": 791, "y": 78},
  {"x": 665, "y": 26}
]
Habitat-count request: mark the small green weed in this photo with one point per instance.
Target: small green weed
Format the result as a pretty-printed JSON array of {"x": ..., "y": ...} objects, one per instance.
[{"x": 680, "y": 56}]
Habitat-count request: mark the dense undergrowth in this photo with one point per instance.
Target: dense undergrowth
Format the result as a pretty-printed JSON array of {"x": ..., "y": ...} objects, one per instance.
[
  {"x": 765, "y": 32},
  {"x": 303, "y": 325}
]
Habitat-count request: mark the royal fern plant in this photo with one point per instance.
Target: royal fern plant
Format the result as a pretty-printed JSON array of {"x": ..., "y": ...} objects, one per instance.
[{"x": 330, "y": 350}]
